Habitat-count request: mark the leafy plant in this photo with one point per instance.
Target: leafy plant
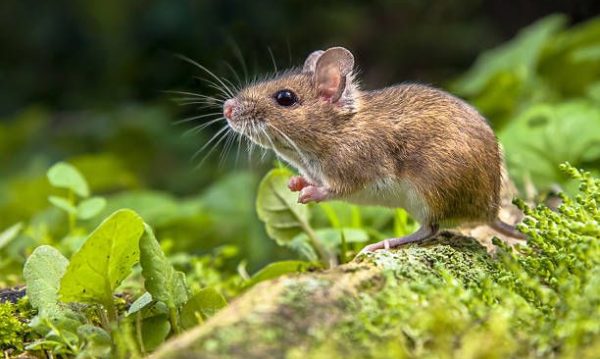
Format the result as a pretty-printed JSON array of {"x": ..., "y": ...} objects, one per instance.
[
  {"x": 78, "y": 312},
  {"x": 339, "y": 231},
  {"x": 540, "y": 91},
  {"x": 64, "y": 175}
]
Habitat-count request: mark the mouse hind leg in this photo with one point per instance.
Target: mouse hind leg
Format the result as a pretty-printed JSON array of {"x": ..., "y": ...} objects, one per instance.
[{"x": 424, "y": 232}]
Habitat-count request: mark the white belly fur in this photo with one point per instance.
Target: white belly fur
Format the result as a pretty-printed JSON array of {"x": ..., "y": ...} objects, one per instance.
[{"x": 395, "y": 194}]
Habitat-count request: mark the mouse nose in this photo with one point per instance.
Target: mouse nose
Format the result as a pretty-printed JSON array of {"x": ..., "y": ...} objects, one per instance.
[{"x": 228, "y": 107}]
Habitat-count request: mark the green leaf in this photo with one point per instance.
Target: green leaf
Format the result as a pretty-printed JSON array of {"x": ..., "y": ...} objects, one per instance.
[
  {"x": 534, "y": 150},
  {"x": 276, "y": 269},
  {"x": 277, "y": 206},
  {"x": 63, "y": 204},
  {"x": 9, "y": 234},
  {"x": 154, "y": 331},
  {"x": 64, "y": 175},
  {"x": 90, "y": 207},
  {"x": 161, "y": 280},
  {"x": 140, "y": 303},
  {"x": 104, "y": 260},
  {"x": 98, "y": 342},
  {"x": 201, "y": 306},
  {"x": 42, "y": 272},
  {"x": 516, "y": 57}
]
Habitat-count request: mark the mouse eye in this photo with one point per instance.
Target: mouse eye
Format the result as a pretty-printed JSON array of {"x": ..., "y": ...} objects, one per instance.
[{"x": 285, "y": 98}]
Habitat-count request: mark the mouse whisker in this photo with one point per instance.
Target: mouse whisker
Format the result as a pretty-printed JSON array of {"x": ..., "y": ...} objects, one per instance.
[
  {"x": 214, "y": 146},
  {"x": 229, "y": 140},
  {"x": 287, "y": 139},
  {"x": 223, "y": 89},
  {"x": 232, "y": 87},
  {"x": 201, "y": 105},
  {"x": 201, "y": 127},
  {"x": 272, "y": 58},
  {"x": 265, "y": 132},
  {"x": 215, "y": 136},
  {"x": 188, "y": 119},
  {"x": 195, "y": 95},
  {"x": 240, "y": 135},
  {"x": 187, "y": 59},
  {"x": 237, "y": 77}
]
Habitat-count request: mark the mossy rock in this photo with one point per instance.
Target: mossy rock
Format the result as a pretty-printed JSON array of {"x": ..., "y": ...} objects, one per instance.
[{"x": 314, "y": 314}]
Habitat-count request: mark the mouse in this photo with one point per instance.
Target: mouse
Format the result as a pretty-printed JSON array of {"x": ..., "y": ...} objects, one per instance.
[{"x": 410, "y": 145}]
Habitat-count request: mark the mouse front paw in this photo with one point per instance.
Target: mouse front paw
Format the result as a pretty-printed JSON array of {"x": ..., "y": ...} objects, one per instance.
[
  {"x": 297, "y": 183},
  {"x": 313, "y": 194}
]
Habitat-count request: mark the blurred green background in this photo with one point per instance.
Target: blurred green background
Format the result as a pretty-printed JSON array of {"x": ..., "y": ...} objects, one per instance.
[{"x": 85, "y": 82}]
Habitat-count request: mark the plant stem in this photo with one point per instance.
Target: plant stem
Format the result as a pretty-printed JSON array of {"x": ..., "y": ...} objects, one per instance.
[
  {"x": 326, "y": 257},
  {"x": 173, "y": 318},
  {"x": 111, "y": 310},
  {"x": 138, "y": 326},
  {"x": 72, "y": 217}
]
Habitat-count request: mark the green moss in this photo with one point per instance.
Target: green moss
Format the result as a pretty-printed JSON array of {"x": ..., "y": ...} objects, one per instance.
[
  {"x": 12, "y": 328},
  {"x": 538, "y": 300},
  {"x": 447, "y": 298}
]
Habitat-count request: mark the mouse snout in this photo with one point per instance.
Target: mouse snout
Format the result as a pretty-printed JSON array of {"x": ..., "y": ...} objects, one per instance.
[{"x": 228, "y": 108}]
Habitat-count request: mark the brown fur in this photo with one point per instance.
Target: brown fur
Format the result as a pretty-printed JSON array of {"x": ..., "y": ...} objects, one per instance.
[{"x": 416, "y": 132}]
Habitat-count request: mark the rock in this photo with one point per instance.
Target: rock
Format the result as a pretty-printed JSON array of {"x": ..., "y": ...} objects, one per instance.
[{"x": 317, "y": 313}]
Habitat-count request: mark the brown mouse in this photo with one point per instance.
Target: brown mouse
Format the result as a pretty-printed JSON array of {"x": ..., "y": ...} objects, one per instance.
[{"x": 410, "y": 145}]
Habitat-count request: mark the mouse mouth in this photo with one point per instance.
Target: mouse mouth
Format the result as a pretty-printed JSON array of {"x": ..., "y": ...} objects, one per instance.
[{"x": 255, "y": 131}]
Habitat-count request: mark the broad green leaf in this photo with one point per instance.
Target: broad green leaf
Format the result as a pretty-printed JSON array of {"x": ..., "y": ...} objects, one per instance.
[
  {"x": 154, "y": 331},
  {"x": 277, "y": 206},
  {"x": 276, "y": 269},
  {"x": 515, "y": 57},
  {"x": 64, "y": 175},
  {"x": 140, "y": 303},
  {"x": 301, "y": 244},
  {"x": 90, "y": 207},
  {"x": 201, "y": 306},
  {"x": 42, "y": 272},
  {"x": 547, "y": 135},
  {"x": 104, "y": 260},
  {"x": 63, "y": 204},
  {"x": 9, "y": 234},
  {"x": 161, "y": 280}
]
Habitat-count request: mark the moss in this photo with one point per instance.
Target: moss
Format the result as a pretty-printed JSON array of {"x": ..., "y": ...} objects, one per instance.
[
  {"x": 12, "y": 328},
  {"x": 445, "y": 298}
]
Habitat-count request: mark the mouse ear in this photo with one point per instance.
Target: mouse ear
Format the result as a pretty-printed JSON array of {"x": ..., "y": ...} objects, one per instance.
[
  {"x": 331, "y": 70},
  {"x": 311, "y": 61}
]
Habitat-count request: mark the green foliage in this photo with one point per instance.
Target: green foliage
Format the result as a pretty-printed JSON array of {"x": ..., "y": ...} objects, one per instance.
[
  {"x": 278, "y": 207},
  {"x": 161, "y": 280},
  {"x": 341, "y": 228},
  {"x": 64, "y": 175},
  {"x": 77, "y": 311},
  {"x": 42, "y": 273},
  {"x": 104, "y": 261},
  {"x": 201, "y": 306},
  {"x": 540, "y": 91}
]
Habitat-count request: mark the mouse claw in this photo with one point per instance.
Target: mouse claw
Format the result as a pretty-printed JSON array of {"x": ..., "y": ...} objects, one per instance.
[
  {"x": 313, "y": 194},
  {"x": 297, "y": 183}
]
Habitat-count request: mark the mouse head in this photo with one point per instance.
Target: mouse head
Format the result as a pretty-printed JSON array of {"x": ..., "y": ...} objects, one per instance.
[{"x": 299, "y": 109}]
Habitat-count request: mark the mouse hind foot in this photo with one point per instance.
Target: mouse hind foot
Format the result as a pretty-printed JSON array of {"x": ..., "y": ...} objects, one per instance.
[
  {"x": 506, "y": 229},
  {"x": 423, "y": 233}
]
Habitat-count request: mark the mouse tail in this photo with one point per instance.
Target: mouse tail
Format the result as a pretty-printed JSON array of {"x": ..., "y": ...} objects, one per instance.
[{"x": 506, "y": 229}]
